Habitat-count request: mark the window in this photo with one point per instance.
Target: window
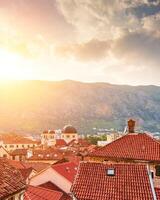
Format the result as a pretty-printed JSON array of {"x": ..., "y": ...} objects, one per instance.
[
  {"x": 157, "y": 167},
  {"x": 11, "y": 146},
  {"x": 23, "y": 145},
  {"x": 152, "y": 175},
  {"x": 17, "y": 145},
  {"x": 110, "y": 172}
]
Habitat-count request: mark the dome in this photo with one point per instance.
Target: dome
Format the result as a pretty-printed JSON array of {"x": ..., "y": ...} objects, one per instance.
[{"x": 69, "y": 129}]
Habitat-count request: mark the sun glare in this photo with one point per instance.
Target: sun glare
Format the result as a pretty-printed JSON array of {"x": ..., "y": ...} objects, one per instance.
[{"x": 11, "y": 66}]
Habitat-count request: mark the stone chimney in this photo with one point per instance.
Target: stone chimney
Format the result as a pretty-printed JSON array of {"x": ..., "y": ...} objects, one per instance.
[{"x": 131, "y": 126}]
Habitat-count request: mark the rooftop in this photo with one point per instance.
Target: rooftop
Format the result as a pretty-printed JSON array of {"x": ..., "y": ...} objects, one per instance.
[
  {"x": 16, "y": 139},
  {"x": 140, "y": 146},
  {"x": 11, "y": 180},
  {"x": 69, "y": 129},
  {"x": 39, "y": 193},
  {"x": 128, "y": 182},
  {"x": 67, "y": 170}
]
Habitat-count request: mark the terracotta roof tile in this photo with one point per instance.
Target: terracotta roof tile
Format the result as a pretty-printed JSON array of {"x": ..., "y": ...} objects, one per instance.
[
  {"x": 67, "y": 169},
  {"x": 16, "y": 164},
  {"x": 38, "y": 166},
  {"x": 16, "y": 139},
  {"x": 11, "y": 180},
  {"x": 131, "y": 146},
  {"x": 26, "y": 172},
  {"x": 131, "y": 182},
  {"x": 19, "y": 152},
  {"x": 39, "y": 193},
  {"x": 157, "y": 190},
  {"x": 52, "y": 186},
  {"x": 61, "y": 142}
]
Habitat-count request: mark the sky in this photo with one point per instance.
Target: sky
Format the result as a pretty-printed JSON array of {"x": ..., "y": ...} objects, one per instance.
[{"x": 115, "y": 41}]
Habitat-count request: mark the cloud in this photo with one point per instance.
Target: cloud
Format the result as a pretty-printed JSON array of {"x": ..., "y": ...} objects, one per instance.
[
  {"x": 94, "y": 50},
  {"x": 140, "y": 49}
]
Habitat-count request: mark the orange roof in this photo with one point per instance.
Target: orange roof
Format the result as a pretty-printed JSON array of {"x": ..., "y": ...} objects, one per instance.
[
  {"x": 67, "y": 170},
  {"x": 61, "y": 142},
  {"x": 39, "y": 193},
  {"x": 129, "y": 182},
  {"x": 19, "y": 152},
  {"x": 16, "y": 164},
  {"x": 11, "y": 180},
  {"x": 131, "y": 146},
  {"x": 16, "y": 139},
  {"x": 38, "y": 166}
]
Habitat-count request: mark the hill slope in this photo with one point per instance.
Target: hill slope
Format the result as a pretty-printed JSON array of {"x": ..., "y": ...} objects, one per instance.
[{"x": 32, "y": 106}]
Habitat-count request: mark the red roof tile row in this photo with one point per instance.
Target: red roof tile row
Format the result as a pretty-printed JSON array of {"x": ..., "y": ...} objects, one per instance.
[
  {"x": 11, "y": 180},
  {"x": 130, "y": 182},
  {"x": 67, "y": 170},
  {"x": 39, "y": 193},
  {"x": 131, "y": 146}
]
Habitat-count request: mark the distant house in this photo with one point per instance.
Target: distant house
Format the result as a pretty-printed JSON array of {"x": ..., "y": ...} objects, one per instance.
[
  {"x": 56, "y": 137},
  {"x": 113, "y": 182},
  {"x": 61, "y": 175},
  {"x": 134, "y": 147},
  {"x": 11, "y": 142},
  {"x": 4, "y": 153},
  {"x": 48, "y": 155},
  {"x": 12, "y": 185},
  {"x": 19, "y": 154}
]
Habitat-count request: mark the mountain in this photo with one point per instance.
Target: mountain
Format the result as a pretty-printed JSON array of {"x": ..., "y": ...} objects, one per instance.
[{"x": 33, "y": 106}]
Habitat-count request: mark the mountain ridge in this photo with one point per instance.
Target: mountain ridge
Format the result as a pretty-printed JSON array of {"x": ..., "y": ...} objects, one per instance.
[{"x": 33, "y": 106}]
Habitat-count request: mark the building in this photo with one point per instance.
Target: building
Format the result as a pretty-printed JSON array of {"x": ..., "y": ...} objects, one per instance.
[
  {"x": 113, "y": 182},
  {"x": 133, "y": 147},
  {"x": 4, "y": 153},
  {"x": 19, "y": 154},
  {"x": 12, "y": 142},
  {"x": 61, "y": 175},
  {"x": 48, "y": 138},
  {"x": 12, "y": 185},
  {"x": 69, "y": 133},
  {"x": 53, "y": 137}
]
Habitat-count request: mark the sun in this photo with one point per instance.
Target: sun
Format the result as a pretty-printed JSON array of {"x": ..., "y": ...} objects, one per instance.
[{"x": 11, "y": 66}]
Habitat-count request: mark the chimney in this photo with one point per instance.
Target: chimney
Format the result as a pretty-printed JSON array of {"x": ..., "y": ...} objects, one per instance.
[{"x": 131, "y": 126}]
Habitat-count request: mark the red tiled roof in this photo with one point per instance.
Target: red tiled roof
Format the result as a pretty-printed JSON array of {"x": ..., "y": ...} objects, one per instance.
[
  {"x": 39, "y": 193},
  {"x": 16, "y": 164},
  {"x": 67, "y": 170},
  {"x": 19, "y": 152},
  {"x": 131, "y": 146},
  {"x": 46, "y": 154},
  {"x": 38, "y": 166},
  {"x": 11, "y": 180},
  {"x": 60, "y": 142},
  {"x": 52, "y": 186},
  {"x": 157, "y": 190},
  {"x": 26, "y": 172},
  {"x": 131, "y": 182},
  {"x": 16, "y": 139}
]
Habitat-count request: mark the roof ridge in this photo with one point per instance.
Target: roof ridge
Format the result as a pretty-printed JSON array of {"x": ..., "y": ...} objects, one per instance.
[{"x": 62, "y": 163}]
